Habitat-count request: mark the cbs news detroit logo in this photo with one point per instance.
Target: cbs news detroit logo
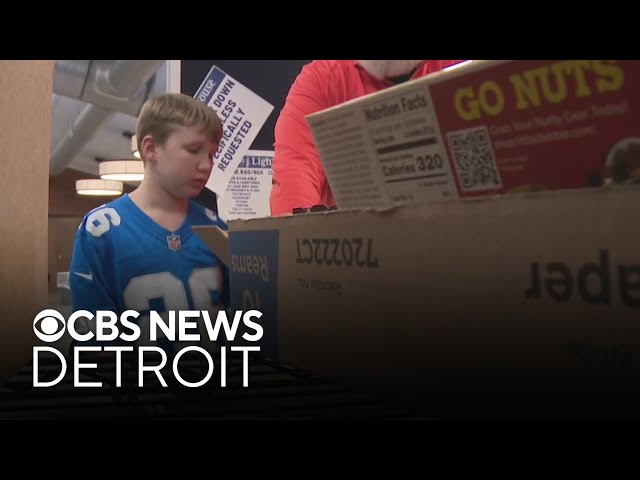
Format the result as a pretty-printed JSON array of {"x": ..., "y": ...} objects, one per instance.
[{"x": 106, "y": 326}]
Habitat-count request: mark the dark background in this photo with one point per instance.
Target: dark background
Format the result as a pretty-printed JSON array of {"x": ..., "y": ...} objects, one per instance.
[{"x": 270, "y": 79}]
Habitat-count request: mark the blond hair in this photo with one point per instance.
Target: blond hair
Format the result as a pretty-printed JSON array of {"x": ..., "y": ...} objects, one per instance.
[{"x": 162, "y": 115}]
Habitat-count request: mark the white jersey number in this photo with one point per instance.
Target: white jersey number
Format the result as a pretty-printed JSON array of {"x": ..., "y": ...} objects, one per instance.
[
  {"x": 100, "y": 221},
  {"x": 202, "y": 282}
]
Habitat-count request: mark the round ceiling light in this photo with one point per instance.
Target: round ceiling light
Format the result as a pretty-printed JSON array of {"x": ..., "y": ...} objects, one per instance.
[
  {"x": 96, "y": 186},
  {"x": 123, "y": 170}
]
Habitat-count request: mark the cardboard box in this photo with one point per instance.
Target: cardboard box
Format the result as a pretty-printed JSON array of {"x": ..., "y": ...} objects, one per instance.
[
  {"x": 513, "y": 305},
  {"x": 486, "y": 128}
]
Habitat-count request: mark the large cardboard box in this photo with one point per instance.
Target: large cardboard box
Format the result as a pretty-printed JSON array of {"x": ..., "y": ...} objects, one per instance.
[
  {"x": 486, "y": 128},
  {"x": 513, "y": 305}
]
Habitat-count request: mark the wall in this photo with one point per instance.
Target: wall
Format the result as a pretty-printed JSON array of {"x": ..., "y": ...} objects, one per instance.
[{"x": 25, "y": 104}]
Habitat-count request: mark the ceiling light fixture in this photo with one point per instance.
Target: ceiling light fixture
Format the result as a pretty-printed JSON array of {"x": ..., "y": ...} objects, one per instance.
[
  {"x": 96, "y": 186},
  {"x": 134, "y": 144},
  {"x": 123, "y": 170},
  {"x": 134, "y": 147}
]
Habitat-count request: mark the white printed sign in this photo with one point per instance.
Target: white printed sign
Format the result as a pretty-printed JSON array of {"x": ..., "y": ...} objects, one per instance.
[
  {"x": 248, "y": 191},
  {"x": 243, "y": 113}
]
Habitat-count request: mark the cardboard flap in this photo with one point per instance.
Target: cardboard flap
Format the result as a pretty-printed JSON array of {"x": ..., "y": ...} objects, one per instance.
[{"x": 216, "y": 239}]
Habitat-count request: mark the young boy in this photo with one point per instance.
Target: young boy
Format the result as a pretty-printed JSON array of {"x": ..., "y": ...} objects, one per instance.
[{"x": 139, "y": 252}]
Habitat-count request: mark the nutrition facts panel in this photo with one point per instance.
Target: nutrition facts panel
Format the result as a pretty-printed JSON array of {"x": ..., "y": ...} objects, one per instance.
[{"x": 407, "y": 147}]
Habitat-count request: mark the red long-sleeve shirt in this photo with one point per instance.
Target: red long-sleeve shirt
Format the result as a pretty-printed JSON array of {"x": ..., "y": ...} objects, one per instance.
[{"x": 298, "y": 175}]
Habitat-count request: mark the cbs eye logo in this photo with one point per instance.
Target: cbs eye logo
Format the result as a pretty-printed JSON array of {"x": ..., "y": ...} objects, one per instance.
[{"x": 49, "y": 325}]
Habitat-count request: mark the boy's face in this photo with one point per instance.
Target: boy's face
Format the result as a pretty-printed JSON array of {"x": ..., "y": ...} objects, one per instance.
[{"x": 183, "y": 164}]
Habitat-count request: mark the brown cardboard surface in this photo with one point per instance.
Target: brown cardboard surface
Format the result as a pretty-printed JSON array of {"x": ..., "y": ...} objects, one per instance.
[{"x": 520, "y": 304}]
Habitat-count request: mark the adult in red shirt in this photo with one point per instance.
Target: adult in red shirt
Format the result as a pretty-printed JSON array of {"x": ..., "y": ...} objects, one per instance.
[{"x": 298, "y": 175}]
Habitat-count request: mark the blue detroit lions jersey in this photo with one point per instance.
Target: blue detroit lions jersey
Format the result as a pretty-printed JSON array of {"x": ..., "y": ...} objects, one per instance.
[{"x": 123, "y": 260}]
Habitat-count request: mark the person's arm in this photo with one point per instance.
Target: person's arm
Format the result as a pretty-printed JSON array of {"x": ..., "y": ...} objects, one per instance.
[{"x": 298, "y": 175}]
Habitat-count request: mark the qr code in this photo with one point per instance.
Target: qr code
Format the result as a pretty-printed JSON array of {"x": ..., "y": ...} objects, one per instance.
[{"x": 474, "y": 160}]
